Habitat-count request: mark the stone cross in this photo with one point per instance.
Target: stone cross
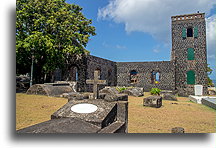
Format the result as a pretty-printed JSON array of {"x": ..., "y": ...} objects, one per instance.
[{"x": 95, "y": 83}]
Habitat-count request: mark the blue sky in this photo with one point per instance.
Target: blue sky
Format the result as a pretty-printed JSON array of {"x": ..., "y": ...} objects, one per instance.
[{"x": 140, "y": 30}]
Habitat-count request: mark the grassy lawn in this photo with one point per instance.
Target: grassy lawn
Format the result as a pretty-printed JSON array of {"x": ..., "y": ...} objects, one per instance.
[
  {"x": 194, "y": 118},
  {"x": 33, "y": 109}
]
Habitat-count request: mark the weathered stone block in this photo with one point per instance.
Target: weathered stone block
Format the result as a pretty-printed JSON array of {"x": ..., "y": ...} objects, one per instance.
[
  {"x": 48, "y": 90},
  {"x": 169, "y": 96},
  {"x": 135, "y": 91},
  {"x": 116, "y": 97},
  {"x": 211, "y": 92},
  {"x": 153, "y": 101},
  {"x": 109, "y": 90},
  {"x": 177, "y": 130}
]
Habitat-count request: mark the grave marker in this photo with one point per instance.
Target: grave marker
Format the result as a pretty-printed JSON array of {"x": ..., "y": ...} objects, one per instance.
[{"x": 95, "y": 83}]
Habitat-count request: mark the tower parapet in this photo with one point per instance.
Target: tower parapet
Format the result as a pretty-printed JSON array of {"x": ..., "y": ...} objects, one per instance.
[{"x": 188, "y": 17}]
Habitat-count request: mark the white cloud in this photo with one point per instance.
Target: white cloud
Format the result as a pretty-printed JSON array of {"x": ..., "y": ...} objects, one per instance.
[
  {"x": 156, "y": 51},
  {"x": 120, "y": 47},
  {"x": 211, "y": 36},
  {"x": 154, "y": 17}
]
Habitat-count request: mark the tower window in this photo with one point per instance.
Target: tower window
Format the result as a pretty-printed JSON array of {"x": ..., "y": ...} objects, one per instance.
[{"x": 189, "y": 32}]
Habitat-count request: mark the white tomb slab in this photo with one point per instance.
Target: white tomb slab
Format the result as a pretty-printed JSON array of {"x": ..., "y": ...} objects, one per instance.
[
  {"x": 197, "y": 99},
  {"x": 84, "y": 108},
  {"x": 198, "y": 90}
]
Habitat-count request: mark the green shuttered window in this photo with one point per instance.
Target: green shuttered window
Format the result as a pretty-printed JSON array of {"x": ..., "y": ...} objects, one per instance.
[
  {"x": 184, "y": 34},
  {"x": 195, "y": 32},
  {"x": 190, "y": 54},
  {"x": 191, "y": 77}
]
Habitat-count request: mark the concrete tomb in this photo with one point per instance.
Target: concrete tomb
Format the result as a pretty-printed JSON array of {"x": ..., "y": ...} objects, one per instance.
[
  {"x": 210, "y": 102},
  {"x": 102, "y": 116},
  {"x": 84, "y": 108},
  {"x": 63, "y": 125},
  {"x": 153, "y": 101}
]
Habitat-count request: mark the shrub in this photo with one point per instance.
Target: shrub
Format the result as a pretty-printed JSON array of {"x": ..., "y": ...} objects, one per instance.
[
  {"x": 155, "y": 91},
  {"x": 121, "y": 89}
]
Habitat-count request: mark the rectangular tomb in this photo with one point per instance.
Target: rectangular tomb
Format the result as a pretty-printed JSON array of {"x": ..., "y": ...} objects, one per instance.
[
  {"x": 104, "y": 115},
  {"x": 210, "y": 102}
]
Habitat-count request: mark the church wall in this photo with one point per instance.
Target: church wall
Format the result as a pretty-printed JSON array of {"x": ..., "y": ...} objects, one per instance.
[
  {"x": 107, "y": 70},
  {"x": 144, "y": 74}
]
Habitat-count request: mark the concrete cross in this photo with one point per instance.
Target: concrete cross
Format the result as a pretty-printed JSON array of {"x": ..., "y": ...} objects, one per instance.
[{"x": 95, "y": 83}]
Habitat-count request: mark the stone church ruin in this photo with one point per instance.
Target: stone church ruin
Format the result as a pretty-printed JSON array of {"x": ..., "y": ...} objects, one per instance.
[{"x": 187, "y": 66}]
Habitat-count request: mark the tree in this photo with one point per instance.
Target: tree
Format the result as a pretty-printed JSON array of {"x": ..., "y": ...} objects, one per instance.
[
  {"x": 48, "y": 31},
  {"x": 209, "y": 71}
]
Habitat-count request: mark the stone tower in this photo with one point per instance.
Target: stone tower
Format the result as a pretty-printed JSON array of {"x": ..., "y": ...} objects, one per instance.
[{"x": 189, "y": 52}]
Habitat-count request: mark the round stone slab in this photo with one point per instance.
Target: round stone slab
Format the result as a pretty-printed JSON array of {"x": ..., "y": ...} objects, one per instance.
[{"x": 84, "y": 108}]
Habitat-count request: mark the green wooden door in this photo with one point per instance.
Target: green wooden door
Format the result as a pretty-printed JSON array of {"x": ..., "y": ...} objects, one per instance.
[
  {"x": 190, "y": 54},
  {"x": 191, "y": 77}
]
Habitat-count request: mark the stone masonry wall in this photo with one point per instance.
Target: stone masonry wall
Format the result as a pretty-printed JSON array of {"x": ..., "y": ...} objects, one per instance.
[
  {"x": 179, "y": 52},
  {"x": 144, "y": 69},
  {"x": 107, "y": 70}
]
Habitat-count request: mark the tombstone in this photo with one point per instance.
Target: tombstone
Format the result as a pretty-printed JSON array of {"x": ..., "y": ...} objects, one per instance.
[
  {"x": 198, "y": 90},
  {"x": 95, "y": 83},
  {"x": 153, "y": 101}
]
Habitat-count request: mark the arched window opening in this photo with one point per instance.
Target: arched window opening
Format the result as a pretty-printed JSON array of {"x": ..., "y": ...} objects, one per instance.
[
  {"x": 155, "y": 77},
  {"x": 99, "y": 72},
  {"x": 109, "y": 77},
  {"x": 74, "y": 75},
  {"x": 133, "y": 76},
  {"x": 190, "y": 32}
]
